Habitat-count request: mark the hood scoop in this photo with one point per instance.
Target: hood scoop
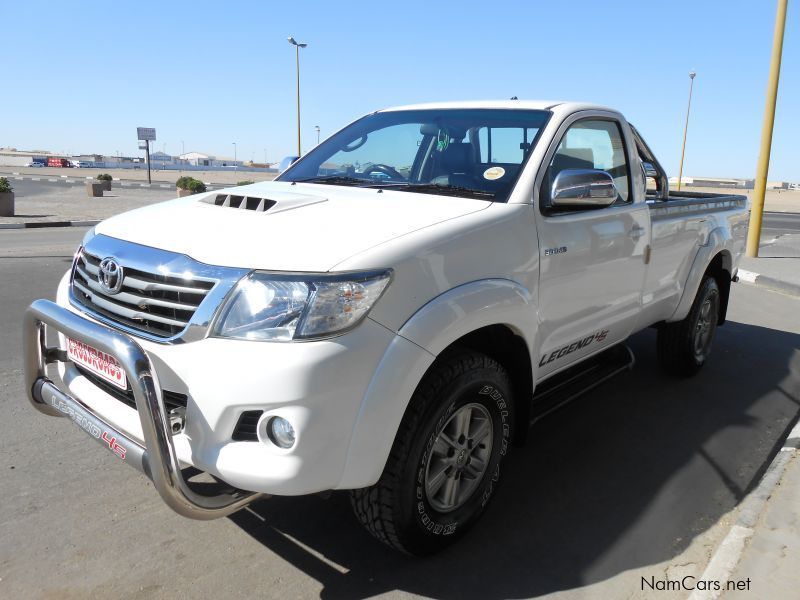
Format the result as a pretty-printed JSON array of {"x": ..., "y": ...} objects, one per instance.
[{"x": 279, "y": 203}]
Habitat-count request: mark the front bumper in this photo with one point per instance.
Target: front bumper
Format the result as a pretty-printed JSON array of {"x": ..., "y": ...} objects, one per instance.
[
  {"x": 157, "y": 458},
  {"x": 322, "y": 387}
]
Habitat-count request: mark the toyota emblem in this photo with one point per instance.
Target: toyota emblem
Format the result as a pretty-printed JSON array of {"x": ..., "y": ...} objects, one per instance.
[{"x": 110, "y": 276}]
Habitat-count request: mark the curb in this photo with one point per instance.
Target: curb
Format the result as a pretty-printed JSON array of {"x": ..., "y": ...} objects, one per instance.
[
  {"x": 728, "y": 554},
  {"x": 42, "y": 224},
  {"x": 770, "y": 283}
]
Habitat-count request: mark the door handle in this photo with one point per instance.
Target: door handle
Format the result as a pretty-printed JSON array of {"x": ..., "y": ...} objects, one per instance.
[{"x": 636, "y": 232}]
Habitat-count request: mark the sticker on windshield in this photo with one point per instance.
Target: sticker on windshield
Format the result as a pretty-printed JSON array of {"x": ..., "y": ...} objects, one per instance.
[{"x": 494, "y": 173}]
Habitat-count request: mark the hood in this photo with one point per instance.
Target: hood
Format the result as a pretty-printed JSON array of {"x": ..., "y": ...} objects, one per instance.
[{"x": 283, "y": 227}]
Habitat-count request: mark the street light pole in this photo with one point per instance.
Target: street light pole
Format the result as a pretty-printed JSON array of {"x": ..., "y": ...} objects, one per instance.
[
  {"x": 692, "y": 75},
  {"x": 234, "y": 155},
  {"x": 757, "y": 207},
  {"x": 317, "y": 128},
  {"x": 297, "y": 45}
]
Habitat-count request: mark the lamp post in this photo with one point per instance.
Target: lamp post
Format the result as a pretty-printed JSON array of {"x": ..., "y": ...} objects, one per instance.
[
  {"x": 762, "y": 169},
  {"x": 317, "y": 128},
  {"x": 234, "y": 155},
  {"x": 297, "y": 45},
  {"x": 692, "y": 75}
]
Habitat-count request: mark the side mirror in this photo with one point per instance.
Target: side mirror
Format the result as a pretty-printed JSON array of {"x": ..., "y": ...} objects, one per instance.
[
  {"x": 583, "y": 188},
  {"x": 286, "y": 163}
]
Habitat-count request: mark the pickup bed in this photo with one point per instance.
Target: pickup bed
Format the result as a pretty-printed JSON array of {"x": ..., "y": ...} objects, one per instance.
[{"x": 388, "y": 316}]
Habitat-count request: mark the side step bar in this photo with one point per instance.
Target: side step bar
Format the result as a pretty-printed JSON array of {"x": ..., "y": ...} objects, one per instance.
[
  {"x": 558, "y": 390},
  {"x": 157, "y": 459}
]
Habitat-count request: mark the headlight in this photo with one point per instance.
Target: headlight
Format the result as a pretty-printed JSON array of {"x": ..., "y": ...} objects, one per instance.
[{"x": 267, "y": 306}]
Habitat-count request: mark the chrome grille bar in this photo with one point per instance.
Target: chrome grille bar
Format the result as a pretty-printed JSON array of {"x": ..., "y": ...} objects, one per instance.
[
  {"x": 161, "y": 292},
  {"x": 123, "y": 311}
]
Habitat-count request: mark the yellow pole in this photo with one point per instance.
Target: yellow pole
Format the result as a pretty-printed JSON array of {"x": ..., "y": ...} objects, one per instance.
[
  {"x": 757, "y": 208},
  {"x": 686, "y": 127},
  {"x": 297, "y": 56}
]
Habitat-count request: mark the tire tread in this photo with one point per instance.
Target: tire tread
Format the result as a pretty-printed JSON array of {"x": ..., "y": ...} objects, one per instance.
[{"x": 375, "y": 506}]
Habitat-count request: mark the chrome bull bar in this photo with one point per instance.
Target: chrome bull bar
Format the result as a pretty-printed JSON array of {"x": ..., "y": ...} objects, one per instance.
[{"x": 157, "y": 459}]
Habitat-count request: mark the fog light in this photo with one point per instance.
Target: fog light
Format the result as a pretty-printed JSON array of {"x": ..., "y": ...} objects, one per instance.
[{"x": 281, "y": 432}]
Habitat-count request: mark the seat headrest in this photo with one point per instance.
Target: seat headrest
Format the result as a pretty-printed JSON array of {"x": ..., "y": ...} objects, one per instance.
[
  {"x": 457, "y": 157},
  {"x": 573, "y": 158},
  {"x": 456, "y": 133}
]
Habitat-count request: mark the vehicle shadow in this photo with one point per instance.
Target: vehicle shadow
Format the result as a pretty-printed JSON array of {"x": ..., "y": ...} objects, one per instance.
[{"x": 625, "y": 477}]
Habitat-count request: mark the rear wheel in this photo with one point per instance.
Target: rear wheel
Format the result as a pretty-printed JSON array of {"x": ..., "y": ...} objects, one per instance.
[
  {"x": 684, "y": 346},
  {"x": 445, "y": 462}
]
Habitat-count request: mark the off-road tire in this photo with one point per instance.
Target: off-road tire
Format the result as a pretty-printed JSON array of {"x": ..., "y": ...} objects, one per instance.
[
  {"x": 677, "y": 342},
  {"x": 396, "y": 510}
]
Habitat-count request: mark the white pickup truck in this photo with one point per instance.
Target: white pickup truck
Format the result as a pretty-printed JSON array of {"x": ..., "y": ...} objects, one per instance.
[{"x": 388, "y": 316}]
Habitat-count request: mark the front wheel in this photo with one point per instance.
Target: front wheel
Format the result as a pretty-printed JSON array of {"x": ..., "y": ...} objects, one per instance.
[
  {"x": 684, "y": 346},
  {"x": 445, "y": 462}
]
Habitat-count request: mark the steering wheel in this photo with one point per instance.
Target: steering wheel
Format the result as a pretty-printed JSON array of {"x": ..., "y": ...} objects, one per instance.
[{"x": 390, "y": 172}]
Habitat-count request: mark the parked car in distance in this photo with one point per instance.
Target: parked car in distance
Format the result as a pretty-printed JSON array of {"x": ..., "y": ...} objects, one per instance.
[{"x": 58, "y": 162}]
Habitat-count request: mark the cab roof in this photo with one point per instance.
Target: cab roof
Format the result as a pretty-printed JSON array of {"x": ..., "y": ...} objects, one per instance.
[{"x": 561, "y": 105}]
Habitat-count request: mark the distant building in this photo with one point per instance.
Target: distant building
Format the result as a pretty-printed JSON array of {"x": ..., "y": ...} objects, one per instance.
[
  {"x": 779, "y": 185},
  {"x": 715, "y": 182},
  {"x": 161, "y": 158},
  {"x": 207, "y": 160}
]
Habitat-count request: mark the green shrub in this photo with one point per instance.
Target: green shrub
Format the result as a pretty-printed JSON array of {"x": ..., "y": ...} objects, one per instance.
[
  {"x": 183, "y": 182},
  {"x": 5, "y": 186},
  {"x": 196, "y": 186},
  {"x": 104, "y": 177},
  {"x": 245, "y": 182}
]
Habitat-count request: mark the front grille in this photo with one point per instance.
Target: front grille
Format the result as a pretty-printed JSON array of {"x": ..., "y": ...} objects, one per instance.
[
  {"x": 172, "y": 400},
  {"x": 245, "y": 430},
  {"x": 160, "y": 305}
]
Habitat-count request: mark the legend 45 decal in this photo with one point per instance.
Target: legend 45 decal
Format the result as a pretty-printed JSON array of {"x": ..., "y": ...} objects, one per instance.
[{"x": 598, "y": 336}]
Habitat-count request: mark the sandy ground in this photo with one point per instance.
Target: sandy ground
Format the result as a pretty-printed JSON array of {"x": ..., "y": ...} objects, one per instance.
[
  {"x": 774, "y": 200},
  {"x": 50, "y": 201},
  {"x": 228, "y": 176},
  {"x": 70, "y": 202}
]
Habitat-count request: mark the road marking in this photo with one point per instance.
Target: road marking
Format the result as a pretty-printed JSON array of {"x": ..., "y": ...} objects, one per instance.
[
  {"x": 70, "y": 181},
  {"x": 63, "y": 176},
  {"x": 164, "y": 186},
  {"x": 52, "y": 180},
  {"x": 36, "y": 178},
  {"x": 144, "y": 185},
  {"x": 19, "y": 178},
  {"x": 748, "y": 276}
]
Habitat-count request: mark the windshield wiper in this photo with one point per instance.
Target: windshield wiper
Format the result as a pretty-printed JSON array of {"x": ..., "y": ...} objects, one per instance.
[
  {"x": 435, "y": 188},
  {"x": 334, "y": 180}
]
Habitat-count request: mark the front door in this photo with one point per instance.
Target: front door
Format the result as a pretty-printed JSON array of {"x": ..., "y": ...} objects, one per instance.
[{"x": 592, "y": 260}]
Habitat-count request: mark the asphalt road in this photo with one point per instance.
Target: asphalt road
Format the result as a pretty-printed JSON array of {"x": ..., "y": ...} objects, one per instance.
[
  {"x": 776, "y": 223},
  {"x": 636, "y": 479}
]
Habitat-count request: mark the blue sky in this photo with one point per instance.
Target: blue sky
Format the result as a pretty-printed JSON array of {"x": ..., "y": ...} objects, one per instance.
[{"x": 80, "y": 76}]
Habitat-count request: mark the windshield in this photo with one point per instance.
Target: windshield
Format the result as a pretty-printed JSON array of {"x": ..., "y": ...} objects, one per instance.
[{"x": 466, "y": 152}]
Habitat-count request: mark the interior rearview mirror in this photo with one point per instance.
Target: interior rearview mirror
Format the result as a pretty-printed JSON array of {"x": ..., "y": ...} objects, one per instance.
[{"x": 583, "y": 188}]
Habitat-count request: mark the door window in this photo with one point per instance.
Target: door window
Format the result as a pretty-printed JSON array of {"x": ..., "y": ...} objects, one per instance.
[{"x": 593, "y": 144}]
